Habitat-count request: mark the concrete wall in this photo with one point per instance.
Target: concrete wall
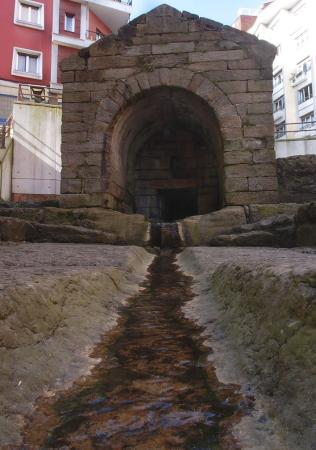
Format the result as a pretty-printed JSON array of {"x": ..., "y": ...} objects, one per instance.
[
  {"x": 292, "y": 147},
  {"x": 6, "y": 159},
  {"x": 36, "y": 160}
]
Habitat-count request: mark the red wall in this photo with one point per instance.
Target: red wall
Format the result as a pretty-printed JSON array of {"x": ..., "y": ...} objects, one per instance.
[
  {"x": 64, "y": 52},
  {"x": 94, "y": 23},
  {"x": 67, "y": 6},
  {"x": 12, "y": 35}
]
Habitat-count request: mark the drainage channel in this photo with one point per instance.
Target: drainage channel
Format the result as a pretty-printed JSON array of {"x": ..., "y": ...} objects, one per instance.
[{"x": 153, "y": 389}]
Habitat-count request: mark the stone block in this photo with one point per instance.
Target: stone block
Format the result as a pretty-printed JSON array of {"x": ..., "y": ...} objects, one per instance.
[
  {"x": 264, "y": 156},
  {"x": 232, "y": 87},
  {"x": 236, "y": 184},
  {"x": 264, "y": 211},
  {"x": 250, "y": 170},
  {"x": 170, "y": 60},
  {"x": 263, "y": 184},
  {"x": 260, "y": 108},
  {"x": 69, "y": 171},
  {"x": 105, "y": 62},
  {"x": 246, "y": 198},
  {"x": 80, "y": 200},
  {"x": 74, "y": 137},
  {"x": 155, "y": 25},
  {"x": 118, "y": 74},
  {"x": 199, "y": 230},
  {"x": 92, "y": 185},
  {"x": 243, "y": 64},
  {"x": 74, "y": 62},
  {"x": 207, "y": 66},
  {"x": 173, "y": 47},
  {"x": 237, "y": 157},
  {"x": 220, "y": 55},
  {"x": 260, "y": 86},
  {"x": 143, "y": 81},
  {"x": 68, "y": 77},
  {"x": 253, "y": 143},
  {"x": 76, "y": 97},
  {"x": 258, "y": 131},
  {"x": 71, "y": 186},
  {"x": 137, "y": 50},
  {"x": 251, "y": 97},
  {"x": 232, "y": 133},
  {"x": 231, "y": 75},
  {"x": 258, "y": 119}
]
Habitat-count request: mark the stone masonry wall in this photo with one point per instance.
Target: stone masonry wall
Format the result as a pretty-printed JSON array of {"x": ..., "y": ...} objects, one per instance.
[
  {"x": 230, "y": 70},
  {"x": 297, "y": 178}
]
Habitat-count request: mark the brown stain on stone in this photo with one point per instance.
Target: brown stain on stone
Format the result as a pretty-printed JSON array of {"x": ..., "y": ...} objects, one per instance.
[{"x": 153, "y": 388}]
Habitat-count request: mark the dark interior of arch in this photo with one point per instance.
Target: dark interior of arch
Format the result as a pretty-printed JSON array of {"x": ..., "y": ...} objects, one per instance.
[{"x": 171, "y": 151}]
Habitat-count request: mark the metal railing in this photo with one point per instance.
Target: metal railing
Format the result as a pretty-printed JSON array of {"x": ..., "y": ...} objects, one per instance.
[
  {"x": 294, "y": 127},
  {"x": 94, "y": 35},
  {"x": 39, "y": 94},
  {"x": 5, "y": 131}
]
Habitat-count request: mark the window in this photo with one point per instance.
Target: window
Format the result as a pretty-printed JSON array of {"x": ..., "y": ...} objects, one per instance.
[
  {"x": 278, "y": 79},
  {"x": 98, "y": 34},
  {"x": 280, "y": 130},
  {"x": 307, "y": 121},
  {"x": 305, "y": 93},
  {"x": 70, "y": 22},
  {"x": 29, "y": 13},
  {"x": 301, "y": 39},
  {"x": 27, "y": 63},
  {"x": 279, "y": 104}
]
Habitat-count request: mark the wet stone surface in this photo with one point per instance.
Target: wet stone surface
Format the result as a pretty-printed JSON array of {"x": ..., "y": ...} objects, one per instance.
[{"x": 153, "y": 387}]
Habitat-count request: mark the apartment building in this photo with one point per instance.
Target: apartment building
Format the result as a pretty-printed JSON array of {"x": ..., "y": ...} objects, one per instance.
[
  {"x": 37, "y": 34},
  {"x": 290, "y": 26}
]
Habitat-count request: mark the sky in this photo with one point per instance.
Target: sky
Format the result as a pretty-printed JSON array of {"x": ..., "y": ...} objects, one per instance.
[{"x": 223, "y": 11}]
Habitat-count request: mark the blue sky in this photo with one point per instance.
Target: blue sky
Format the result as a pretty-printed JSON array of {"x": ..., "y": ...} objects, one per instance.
[{"x": 221, "y": 10}]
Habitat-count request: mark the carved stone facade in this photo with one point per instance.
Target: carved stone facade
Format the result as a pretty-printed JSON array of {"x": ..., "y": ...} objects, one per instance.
[{"x": 171, "y": 117}]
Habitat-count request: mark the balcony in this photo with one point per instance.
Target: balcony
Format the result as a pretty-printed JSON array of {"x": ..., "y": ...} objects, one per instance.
[{"x": 115, "y": 13}]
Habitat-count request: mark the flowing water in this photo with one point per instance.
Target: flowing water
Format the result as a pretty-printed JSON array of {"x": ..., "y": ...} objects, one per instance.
[{"x": 153, "y": 388}]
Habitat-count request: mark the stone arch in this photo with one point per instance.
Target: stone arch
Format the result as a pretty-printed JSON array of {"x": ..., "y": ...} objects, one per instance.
[
  {"x": 228, "y": 70},
  {"x": 209, "y": 103}
]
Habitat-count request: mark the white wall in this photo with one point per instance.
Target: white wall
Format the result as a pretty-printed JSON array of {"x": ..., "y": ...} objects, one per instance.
[
  {"x": 294, "y": 147},
  {"x": 37, "y": 142}
]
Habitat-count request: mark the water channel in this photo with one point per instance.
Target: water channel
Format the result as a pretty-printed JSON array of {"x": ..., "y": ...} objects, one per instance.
[{"x": 153, "y": 388}]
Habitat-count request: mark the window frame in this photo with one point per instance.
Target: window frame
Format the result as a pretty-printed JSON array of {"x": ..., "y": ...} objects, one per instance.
[
  {"x": 301, "y": 96},
  {"x": 277, "y": 101},
  {"x": 280, "y": 129},
  {"x": 28, "y": 52},
  {"x": 23, "y": 23},
  {"x": 72, "y": 16},
  {"x": 308, "y": 123},
  {"x": 278, "y": 76}
]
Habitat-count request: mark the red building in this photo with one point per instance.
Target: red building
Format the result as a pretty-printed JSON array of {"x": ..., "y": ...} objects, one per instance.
[{"x": 39, "y": 34}]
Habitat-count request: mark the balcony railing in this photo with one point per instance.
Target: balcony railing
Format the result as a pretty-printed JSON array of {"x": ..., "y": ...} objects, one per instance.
[
  {"x": 126, "y": 2},
  {"x": 39, "y": 94},
  {"x": 94, "y": 35},
  {"x": 304, "y": 128}
]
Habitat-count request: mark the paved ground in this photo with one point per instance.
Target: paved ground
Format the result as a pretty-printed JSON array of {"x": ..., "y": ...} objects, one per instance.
[
  {"x": 20, "y": 262},
  {"x": 56, "y": 301},
  {"x": 258, "y": 309}
]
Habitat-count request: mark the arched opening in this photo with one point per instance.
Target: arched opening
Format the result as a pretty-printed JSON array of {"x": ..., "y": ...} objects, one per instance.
[{"x": 167, "y": 151}]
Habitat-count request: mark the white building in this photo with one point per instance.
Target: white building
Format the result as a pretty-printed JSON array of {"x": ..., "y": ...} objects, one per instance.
[{"x": 290, "y": 26}]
